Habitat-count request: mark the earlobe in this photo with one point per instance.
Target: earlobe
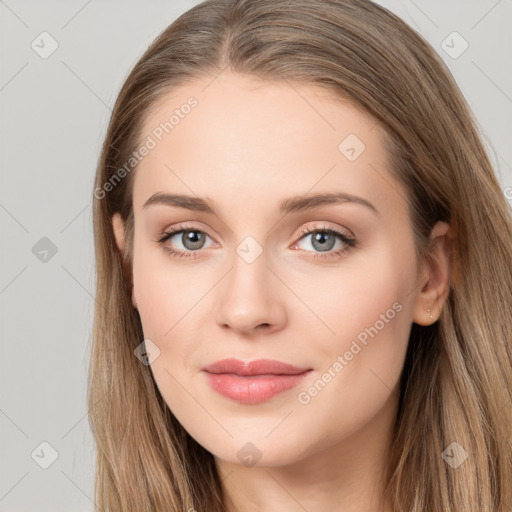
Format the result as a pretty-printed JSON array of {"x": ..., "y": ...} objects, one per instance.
[
  {"x": 118, "y": 227},
  {"x": 431, "y": 298}
]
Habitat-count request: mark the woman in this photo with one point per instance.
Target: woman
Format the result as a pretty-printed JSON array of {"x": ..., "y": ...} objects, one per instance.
[{"x": 239, "y": 365}]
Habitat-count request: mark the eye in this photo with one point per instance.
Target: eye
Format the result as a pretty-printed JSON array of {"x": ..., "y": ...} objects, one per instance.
[
  {"x": 190, "y": 238},
  {"x": 323, "y": 239}
]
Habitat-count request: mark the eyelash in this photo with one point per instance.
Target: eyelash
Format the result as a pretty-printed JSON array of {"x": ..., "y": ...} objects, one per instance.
[{"x": 349, "y": 242}]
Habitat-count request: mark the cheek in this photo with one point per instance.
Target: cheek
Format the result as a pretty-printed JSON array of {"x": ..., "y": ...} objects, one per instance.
[
  {"x": 369, "y": 297},
  {"x": 156, "y": 300},
  {"x": 164, "y": 291},
  {"x": 369, "y": 310},
  {"x": 361, "y": 366}
]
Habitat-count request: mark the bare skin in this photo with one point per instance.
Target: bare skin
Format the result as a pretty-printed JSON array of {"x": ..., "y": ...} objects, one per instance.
[{"x": 247, "y": 146}]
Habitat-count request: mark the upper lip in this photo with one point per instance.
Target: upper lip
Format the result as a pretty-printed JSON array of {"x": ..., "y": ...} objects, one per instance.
[{"x": 257, "y": 367}]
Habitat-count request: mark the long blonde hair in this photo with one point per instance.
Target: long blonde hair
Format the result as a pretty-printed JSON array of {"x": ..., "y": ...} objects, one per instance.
[{"x": 457, "y": 379}]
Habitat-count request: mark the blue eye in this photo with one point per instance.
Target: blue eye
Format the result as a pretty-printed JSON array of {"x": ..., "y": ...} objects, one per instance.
[
  {"x": 324, "y": 240},
  {"x": 193, "y": 240}
]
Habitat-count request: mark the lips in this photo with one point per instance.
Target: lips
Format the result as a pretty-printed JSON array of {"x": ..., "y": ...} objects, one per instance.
[
  {"x": 253, "y": 382},
  {"x": 257, "y": 367}
]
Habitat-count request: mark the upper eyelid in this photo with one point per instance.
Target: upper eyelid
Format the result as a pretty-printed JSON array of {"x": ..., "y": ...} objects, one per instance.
[
  {"x": 325, "y": 227},
  {"x": 306, "y": 231}
]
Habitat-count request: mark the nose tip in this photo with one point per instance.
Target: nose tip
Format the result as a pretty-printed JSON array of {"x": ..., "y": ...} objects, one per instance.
[{"x": 249, "y": 300}]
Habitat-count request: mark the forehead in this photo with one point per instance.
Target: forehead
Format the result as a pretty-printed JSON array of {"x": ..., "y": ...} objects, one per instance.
[{"x": 237, "y": 138}]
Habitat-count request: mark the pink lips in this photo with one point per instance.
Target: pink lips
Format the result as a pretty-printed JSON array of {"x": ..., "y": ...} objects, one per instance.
[{"x": 255, "y": 381}]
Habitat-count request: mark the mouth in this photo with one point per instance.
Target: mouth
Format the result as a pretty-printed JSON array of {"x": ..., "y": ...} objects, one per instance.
[{"x": 255, "y": 381}]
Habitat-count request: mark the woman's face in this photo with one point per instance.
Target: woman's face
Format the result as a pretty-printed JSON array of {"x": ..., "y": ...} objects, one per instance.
[{"x": 249, "y": 282}]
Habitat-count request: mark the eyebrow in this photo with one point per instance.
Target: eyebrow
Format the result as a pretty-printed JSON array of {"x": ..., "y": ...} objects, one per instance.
[{"x": 289, "y": 205}]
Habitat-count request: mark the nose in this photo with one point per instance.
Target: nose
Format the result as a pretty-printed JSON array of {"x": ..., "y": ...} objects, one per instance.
[{"x": 250, "y": 299}]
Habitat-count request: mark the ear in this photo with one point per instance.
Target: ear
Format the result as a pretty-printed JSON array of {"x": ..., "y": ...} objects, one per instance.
[
  {"x": 118, "y": 228},
  {"x": 436, "y": 276}
]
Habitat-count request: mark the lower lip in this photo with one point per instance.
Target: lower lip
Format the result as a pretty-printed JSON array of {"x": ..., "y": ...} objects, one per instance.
[{"x": 253, "y": 389}]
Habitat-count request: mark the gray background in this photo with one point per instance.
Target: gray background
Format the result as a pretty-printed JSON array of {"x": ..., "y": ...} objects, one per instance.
[{"x": 54, "y": 113}]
